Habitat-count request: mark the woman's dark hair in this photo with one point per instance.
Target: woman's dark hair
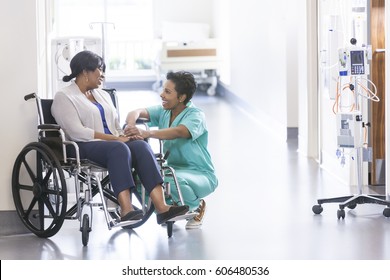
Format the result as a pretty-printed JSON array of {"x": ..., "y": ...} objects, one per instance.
[
  {"x": 184, "y": 83},
  {"x": 84, "y": 60}
]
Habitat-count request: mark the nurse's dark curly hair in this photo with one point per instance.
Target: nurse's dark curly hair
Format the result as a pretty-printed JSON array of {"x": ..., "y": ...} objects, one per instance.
[
  {"x": 84, "y": 60},
  {"x": 184, "y": 83}
]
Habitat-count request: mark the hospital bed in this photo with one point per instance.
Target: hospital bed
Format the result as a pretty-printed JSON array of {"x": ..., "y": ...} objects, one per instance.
[{"x": 201, "y": 58}]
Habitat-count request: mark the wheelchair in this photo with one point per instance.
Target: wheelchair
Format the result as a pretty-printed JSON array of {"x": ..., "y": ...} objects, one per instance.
[{"x": 40, "y": 183}]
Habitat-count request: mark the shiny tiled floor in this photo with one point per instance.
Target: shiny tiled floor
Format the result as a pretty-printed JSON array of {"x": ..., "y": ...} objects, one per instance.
[{"x": 261, "y": 209}]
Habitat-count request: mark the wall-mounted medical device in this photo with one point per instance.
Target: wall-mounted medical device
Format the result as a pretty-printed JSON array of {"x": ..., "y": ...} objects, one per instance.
[{"x": 62, "y": 51}]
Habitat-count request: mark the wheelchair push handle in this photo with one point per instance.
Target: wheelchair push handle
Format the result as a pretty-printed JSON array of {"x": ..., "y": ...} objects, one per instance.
[{"x": 29, "y": 96}]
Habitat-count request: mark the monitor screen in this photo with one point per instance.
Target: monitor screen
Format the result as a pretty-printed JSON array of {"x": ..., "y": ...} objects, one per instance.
[{"x": 357, "y": 62}]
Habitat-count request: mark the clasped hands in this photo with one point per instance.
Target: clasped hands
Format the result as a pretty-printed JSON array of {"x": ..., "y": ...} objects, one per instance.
[{"x": 135, "y": 133}]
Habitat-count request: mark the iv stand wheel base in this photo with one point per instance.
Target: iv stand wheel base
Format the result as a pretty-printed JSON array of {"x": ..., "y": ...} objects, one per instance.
[
  {"x": 351, "y": 202},
  {"x": 317, "y": 209},
  {"x": 340, "y": 214}
]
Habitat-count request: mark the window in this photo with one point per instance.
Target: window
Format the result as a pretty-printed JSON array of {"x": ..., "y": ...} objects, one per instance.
[{"x": 125, "y": 28}]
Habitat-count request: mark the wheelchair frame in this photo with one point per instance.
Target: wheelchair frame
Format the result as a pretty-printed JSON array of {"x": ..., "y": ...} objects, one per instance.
[{"x": 40, "y": 191}]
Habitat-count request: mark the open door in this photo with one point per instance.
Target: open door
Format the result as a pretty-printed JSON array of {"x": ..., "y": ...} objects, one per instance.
[{"x": 377, "y": 116}]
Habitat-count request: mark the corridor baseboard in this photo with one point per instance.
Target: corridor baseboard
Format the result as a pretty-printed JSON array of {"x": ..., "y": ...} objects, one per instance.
[{"x": 10, "y": 224}]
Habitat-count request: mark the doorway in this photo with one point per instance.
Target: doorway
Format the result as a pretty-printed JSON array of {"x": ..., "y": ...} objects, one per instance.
[{"x": 377, "y": 116}]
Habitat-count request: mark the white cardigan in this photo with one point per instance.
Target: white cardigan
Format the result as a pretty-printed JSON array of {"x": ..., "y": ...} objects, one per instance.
[{"x": 79, "y": 117}]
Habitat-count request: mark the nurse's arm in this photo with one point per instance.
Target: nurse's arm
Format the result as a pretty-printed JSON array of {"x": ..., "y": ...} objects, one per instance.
[
  {"x": 134, "y": 115},
  {"x": 170, "y": 133}
]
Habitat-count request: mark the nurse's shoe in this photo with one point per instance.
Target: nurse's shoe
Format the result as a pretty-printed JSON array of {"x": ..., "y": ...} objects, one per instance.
[{"x": 197, "y": 221}]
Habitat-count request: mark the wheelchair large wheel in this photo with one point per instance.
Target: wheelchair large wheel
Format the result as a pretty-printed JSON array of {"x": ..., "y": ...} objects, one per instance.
[{"x": 39, "y": 190}]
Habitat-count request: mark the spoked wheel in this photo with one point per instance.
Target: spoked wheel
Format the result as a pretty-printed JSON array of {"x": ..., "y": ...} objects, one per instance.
[
  {"x": 144, "y": 204},
  {"x": 39, "y": 189}
]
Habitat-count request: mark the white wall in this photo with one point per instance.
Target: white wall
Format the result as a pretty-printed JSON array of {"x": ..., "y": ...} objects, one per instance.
[
  {"x": 292, "y": 63},
  {"x": 387, "y": 105},
  {"x": 258, "y": 60},
  {"x": 18, "y": 74},
  {"x": 307, "y": 78},
  {"x": 222, "y": 27},
  {"x": 192, "y": 11}
]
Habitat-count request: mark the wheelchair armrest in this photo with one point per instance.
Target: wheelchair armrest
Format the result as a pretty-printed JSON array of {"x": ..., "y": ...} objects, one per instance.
[
  {"x": 59, "y": 139},
  {"x": 49, "y": 127},
  {"x": 141, "y": 121},
  {"x": 76, "y": 150}
]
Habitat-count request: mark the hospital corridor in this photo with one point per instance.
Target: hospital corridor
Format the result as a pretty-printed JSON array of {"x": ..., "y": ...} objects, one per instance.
[
  {"x": 294, "y": 100},
  {"x": 260, "y": 210}
]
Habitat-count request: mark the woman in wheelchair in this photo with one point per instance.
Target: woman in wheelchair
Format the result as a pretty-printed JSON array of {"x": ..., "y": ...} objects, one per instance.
[
  {"x": 182, "y": 127},
  {"x": 87, "y": 115}
]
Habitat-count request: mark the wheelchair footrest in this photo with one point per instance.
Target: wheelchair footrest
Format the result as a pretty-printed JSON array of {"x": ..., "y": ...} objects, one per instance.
[
  {"x": 112, "y": 209},
  {"x": 124, "y": 223},
  {"x": 186, "y": 216}
]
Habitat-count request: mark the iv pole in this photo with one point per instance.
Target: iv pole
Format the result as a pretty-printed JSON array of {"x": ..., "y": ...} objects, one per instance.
[
  {"x": 103, "y": 26},
  {"x": 351, "y": 201}
]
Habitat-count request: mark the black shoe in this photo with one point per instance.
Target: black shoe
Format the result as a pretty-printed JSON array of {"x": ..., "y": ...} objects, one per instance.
[
  {"x": 174, "y": 211},
  {"x": 133, "y": 215}
]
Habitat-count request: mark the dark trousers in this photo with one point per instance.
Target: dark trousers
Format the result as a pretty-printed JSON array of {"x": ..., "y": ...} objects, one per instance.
[{"x": 119, "y": 158}]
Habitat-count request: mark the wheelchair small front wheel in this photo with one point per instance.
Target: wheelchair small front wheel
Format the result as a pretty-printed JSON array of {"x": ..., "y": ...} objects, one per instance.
[
  {"x": 39, "y": 189},
  {"x": 170, "y": 228},
  {"x": 85, "y": 230},
  {"x": 386, "y": 212}
]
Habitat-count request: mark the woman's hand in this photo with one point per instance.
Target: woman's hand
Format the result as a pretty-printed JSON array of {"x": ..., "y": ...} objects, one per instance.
[
  {"x": 135, "y": 133},
  {"x": 123, "y": 138}
]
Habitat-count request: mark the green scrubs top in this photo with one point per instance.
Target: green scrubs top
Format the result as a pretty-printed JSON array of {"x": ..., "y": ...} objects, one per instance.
[{"x": 189, "y": 157}]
